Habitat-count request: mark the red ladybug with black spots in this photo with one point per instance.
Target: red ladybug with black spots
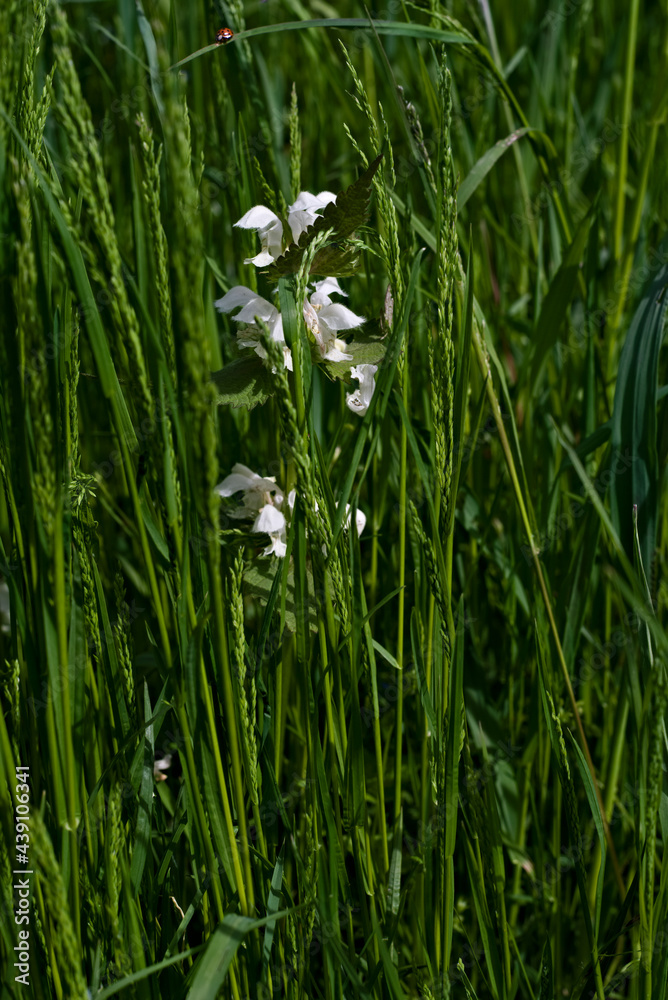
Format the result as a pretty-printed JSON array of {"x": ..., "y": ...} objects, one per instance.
[{"x": 224, "y": 35}]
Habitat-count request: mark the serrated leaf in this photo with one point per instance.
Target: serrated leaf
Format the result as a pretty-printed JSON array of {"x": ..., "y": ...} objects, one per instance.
[
  {"x": 259, "y": 579},
  {"x": 366, "y": 349},
  {"x": 343, "y": 217},
  {"x": 337, "y": 260},
  {"x": 244, "y": 382}
]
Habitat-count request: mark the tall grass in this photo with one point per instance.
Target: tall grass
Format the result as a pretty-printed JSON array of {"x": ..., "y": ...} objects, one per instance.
[{"x": 423, "y": 759}]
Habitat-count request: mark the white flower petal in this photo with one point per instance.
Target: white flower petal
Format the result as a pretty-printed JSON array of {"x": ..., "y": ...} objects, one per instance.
[
  {"x": 237, "y": 296},
  {"x": 257, "y": 307},
  {"x": 313, "y": 326},
  {"x": 270, "y": 520},
  {"x": 325, "y": 198},
  {"x": 339, "y": 317},
  {"x": 308, "y": 201},
  {"x": 277, "y": 546},
  {"x": 322, "y": 290},
  {"x": 300, "y": 221},
  {"x": 359, "y": 401},
  {"x": 263, "y": 259},
  {"x": 258, "y": 217},
  {"x": 270, "y": 230},
  {"x": 360, "y": 519},
  {"x": 363, "y": 373},
  {"x": 303, "y": 211},
  {"x": 329, "y": 286},
  {"x": 243, "y": 478},
  {"x": 334, "y": 354}
]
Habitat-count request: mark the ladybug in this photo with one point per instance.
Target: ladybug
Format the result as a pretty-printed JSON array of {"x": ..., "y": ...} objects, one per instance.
[{"x": 224, "y": 35}]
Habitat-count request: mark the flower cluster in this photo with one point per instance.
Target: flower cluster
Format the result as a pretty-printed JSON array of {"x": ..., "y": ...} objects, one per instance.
[
  {"x": 262, "y": 502},
  {"x": 323, "y": 317},
  {"x": 301, "y": 214}
]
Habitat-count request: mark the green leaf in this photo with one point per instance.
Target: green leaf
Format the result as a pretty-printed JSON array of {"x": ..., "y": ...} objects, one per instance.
[
  {"x": 294, "y": 330},
  {"x": 153, "y": 530},
  {"x": 272, "y": 907},
  {"x": 394, "y": 876},
  {"x": 486, "y": 928},
  {"x": 392, "y": 981},
  {"x": 420, "y": 674},
  {"x": 328, "y": 808},
  {"x": 455, "y": 735},
  {"x": 366, "y": 349},
  {"x": 546, "y": 991},
  {"x": 94, "y": 326},
  {"x": 480, "y": 169},
  {"x": 343, "y": 217},
  {"x": 337, "y": 260},
  {"x": 150, "y": 970},
  {"x": 634, "y": 461},
  {"x": 558, "y": 298},
  {"x": 402, "y": 29},
  {"x": 592, "y": 798},
  {"x": 213, "y": 966},
  {"x": 462, "y": 386},
  {"x": 385, "y": 653},
  {"x": 259, "y": 580},
  {"x": 244, "y": 382},
  {"x": 151, "y": 48}
]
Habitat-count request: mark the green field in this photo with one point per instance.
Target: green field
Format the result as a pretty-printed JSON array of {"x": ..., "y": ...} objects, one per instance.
[{"x": 334, "y": 507}]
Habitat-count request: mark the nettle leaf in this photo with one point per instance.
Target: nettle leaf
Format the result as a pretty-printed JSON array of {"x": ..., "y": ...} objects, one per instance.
[
  {"x": 367, "y": 348},
  {"x": 244, "y": 382},
  {"x": 259, "y": 578},
  {"x": 343, "y": 217},
  {"x": 337, "y": 260}
]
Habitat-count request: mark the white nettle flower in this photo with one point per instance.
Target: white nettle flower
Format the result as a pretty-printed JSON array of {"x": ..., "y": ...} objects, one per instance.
[
  {"x": 359, "y": 400},
  {"x": 301, "y": 214},
  {"x": 272, "y": 521},
  {"x": 258, "y": 492},
  {"x": 262, "y": 500},
  {"x": 325, "y": 318},
  {"x": 252, "y": 305}
]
